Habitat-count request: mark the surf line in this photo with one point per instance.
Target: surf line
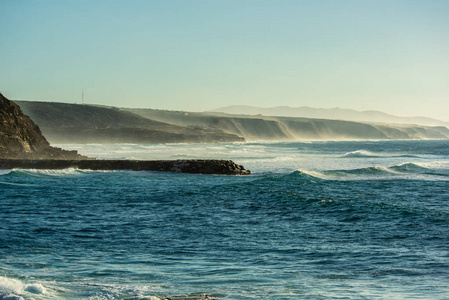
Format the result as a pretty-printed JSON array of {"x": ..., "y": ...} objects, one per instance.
[{"x": 197, "y": 166}]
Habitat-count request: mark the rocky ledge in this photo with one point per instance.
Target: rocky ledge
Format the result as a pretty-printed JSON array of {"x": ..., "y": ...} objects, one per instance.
[{"x": 197, "y": 166}]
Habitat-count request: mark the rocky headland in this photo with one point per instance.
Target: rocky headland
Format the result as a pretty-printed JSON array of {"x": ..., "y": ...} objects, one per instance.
[
  {"x": 23, "y": 146},
  {"x": 21, "y": 138}
]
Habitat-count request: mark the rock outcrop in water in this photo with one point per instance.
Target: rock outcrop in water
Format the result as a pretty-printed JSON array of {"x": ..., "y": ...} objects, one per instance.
[
  {"x": 195, "y": 166},
  {"x": 21, "y": 138}
]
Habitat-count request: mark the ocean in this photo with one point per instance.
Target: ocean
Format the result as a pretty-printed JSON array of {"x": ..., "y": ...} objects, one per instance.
[{"x": 315, "y": 220}]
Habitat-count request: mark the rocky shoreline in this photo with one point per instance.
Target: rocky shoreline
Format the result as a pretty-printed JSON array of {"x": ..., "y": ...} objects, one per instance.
[
  {"x": 22, "y": 146},
  {"x": 196, "y": 166}
]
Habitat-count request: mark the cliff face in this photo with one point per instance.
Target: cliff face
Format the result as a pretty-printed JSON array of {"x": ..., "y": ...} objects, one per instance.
[
  {"x": 260, "y": 128},
  {"x": 21, "y": 138},
  {"x": 74, "y": 123}
]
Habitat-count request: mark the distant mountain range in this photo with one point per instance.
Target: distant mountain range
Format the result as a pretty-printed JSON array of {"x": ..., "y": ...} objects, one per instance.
[{"x": 369, "y": 116}]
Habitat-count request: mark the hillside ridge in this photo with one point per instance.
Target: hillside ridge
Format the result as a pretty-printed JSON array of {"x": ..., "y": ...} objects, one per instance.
[
  {"x": 336, "y": 113},
  {"x": 76, "y": 123},
  {"x": 79, "y": 123},
  {"x": 267, "y": 128}
]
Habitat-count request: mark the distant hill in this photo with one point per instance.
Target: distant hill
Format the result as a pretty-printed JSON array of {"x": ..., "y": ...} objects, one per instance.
[
  {"x": 266, "y": 128},
  {"x": 369, "y": 116},
  {"x": 76, "y": 123}
]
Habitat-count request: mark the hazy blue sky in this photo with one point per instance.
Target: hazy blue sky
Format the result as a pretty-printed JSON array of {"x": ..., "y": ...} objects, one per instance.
[{"x": 195, "y": 55}]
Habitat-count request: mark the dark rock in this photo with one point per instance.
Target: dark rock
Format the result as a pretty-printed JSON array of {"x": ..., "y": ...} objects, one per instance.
[{"x": 21, "y": 138}]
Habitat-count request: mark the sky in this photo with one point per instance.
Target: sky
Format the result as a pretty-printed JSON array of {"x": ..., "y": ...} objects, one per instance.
[{"x": 387, "y": 55}]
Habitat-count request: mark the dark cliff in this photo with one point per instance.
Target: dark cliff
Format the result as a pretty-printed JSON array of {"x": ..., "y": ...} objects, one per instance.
[{"x": 21, "y": 138}]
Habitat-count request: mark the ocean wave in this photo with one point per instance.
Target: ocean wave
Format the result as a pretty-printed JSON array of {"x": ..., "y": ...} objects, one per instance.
[
  {"x": 400, "y": 171},
  {"x": 408, "y": 156},
  {"x": 14, "y": 289},
  {"x": 350, "y": 174},
  {"x": 422, "y": 168},
  {"x": 360, "y": 172},
  {"x": 306, "y": 174},
  {"x": 12, "y": 183},
  {"x": 368, "y": 154},
  {"x": 5, "y": 171},
  {"x": 55, "y": 173},
  {"x": 409, "y": 168},
  {"x": 360, "y": 153}
]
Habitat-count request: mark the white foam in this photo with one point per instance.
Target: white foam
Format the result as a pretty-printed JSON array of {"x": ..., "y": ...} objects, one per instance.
[
  {"x": 10, "y": 297},
  {"x": 437, "y": 165},
  {"x": 4, "y": 172},
  {"x": 15, "y": 289},
  {"x": 54, "y": 173},
  {"x": 12, "y": 183},
  {"x": 11, "y": 285},
  {"x": 360, "y": 153},
  {"x": 36, "y": 288},
  {"x": 268, "y": 157}
]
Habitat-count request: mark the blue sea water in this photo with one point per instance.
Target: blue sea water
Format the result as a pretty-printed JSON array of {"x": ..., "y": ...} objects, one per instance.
[{"x": 316, "y": 220}]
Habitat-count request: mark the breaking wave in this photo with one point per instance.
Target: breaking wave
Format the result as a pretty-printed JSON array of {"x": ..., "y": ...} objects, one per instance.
[
  {"x": 360, "y": 153},
  {"x": 55, "y": 173},
  {"x": 14, "y": 289},
  {"x": 400, "y": 171},
  {"x": 4, "y": 172},
  {"x": 368, "y": 154}
]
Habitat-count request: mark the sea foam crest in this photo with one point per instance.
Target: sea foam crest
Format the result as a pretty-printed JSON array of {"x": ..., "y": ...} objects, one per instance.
[
  {"x": 439, "y": 169},
  {"x": 360, "y": 153},
  {"x": 409, "y": 168},
  {"x": 4, "y": 172},
  {"x": 14, "y": 289},
  {"x": 53, "y": 173},
  {"x": 307, "y": 174},
  {"x": 350, "y": 174},
  {"x": 360, "y": 172},
  {"x": 405, "y": 170}
]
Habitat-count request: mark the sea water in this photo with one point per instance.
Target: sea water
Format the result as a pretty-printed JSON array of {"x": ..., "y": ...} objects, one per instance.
[{"x": 315, "y": 220}]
